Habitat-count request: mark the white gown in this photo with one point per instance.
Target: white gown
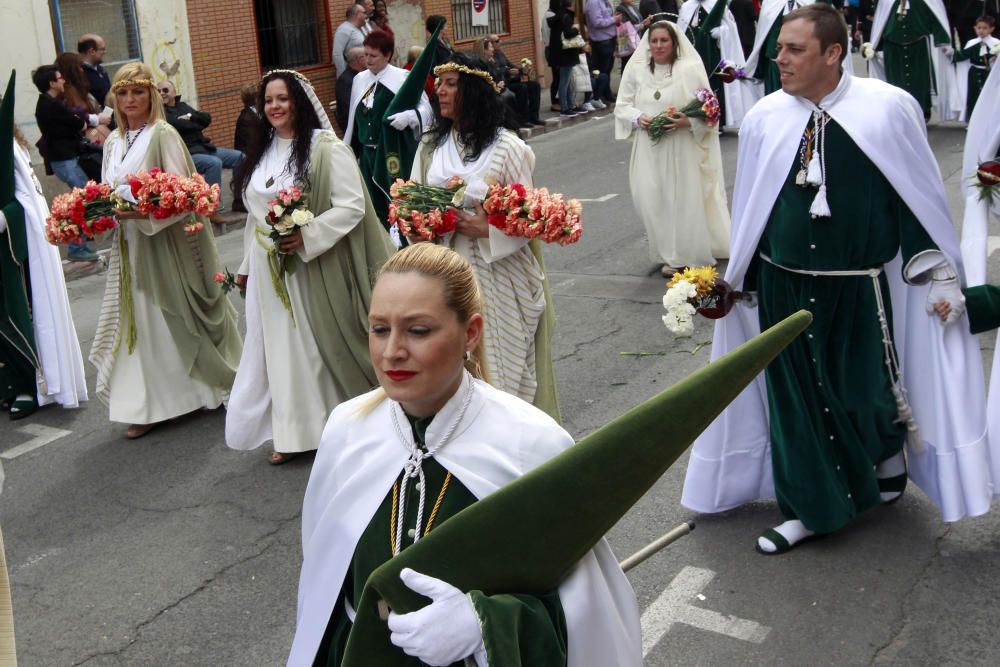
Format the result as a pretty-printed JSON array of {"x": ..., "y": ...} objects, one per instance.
[
  {"x": 151, "y": 384},
  {"x": 62, "y": 378}
]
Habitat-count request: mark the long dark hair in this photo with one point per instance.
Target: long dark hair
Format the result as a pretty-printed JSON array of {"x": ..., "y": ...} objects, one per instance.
[
  {"x": 481, "y": 114},
  {"x": 261, "y": 134}
]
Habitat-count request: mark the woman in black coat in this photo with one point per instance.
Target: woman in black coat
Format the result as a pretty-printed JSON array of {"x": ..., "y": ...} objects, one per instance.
[{"x": 562, "y": 25}]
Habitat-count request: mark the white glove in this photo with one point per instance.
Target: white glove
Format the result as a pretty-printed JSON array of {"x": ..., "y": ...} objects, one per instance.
[
  {"x": 945, "y": 287},
  {"x": 715, "y": 33},
  {"x": 125, "y": 192},
  {"x": 405, "y": 119},
  {"x": 445, "y": 631}
]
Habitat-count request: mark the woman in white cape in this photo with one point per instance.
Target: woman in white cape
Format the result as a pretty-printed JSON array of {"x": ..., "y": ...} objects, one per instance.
[
  {"x": 406, "y": 457},
  {"x": 677, "y": 183}
]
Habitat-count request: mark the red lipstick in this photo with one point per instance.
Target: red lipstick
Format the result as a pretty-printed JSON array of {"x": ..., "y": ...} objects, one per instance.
[{"x": 399, "y": 376}]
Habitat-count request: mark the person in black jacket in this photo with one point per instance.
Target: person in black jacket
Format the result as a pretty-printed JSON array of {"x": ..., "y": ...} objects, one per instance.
[
  {"x": 62, "y": 134},
  {"x": 527, "y": 92},
  {"x": 245, "y": 124},
  {"x": 354, "y": 58},
  {"x": 91, "y": 49},
  {"x": 189, "y": 123},
  {"x": 562, "y": 25}
]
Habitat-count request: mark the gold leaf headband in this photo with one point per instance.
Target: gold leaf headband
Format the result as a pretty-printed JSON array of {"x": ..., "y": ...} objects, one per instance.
[
  {"x": 290, "y": 72},
  {"x": 124, "y": 83},
  {"x": 455, "y": 67}
]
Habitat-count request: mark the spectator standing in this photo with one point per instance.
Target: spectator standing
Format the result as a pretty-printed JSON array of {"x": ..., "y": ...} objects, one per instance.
[
  {"x": 355, "y": 63},
  {"x": 563, "y": 27},
  {"x": 443, "y": 48},
  {"x": 411, "y": 59},
  {"x": 746, "y": 23},
  {"x": 348, "y": 36},
  {"x": 61, "y": 135},
  {"x": 248, "y": 117},
  {"x": 630, "y": 13},
  {"x": 91, "y": 49},
  {"x": 602, "y": 24},
  {"x": 77, "y": 98},
  {"x": 528, "y": 93},
  {"x": 368, "y": 25},
  {"x": 546, "y": 30},
  {"x": 380, "y": 18},
  {"x": 189, "y": 123}
]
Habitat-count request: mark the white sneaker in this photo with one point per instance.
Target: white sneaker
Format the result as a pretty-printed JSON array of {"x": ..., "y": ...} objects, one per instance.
[
  {"x": 587, "y": 107},
  {"x": 597, "y": 104}
]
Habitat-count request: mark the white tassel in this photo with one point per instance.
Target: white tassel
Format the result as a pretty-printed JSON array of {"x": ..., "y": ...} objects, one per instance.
[
  {"x": 814, "y": 174},
  {"x": 905, "y": 416},
  {"x": 819, "y": 208}
]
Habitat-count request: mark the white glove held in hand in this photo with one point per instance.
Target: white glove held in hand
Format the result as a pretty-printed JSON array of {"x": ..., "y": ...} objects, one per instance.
[
  {"x": 445, "y": 631},
  {"x": 125, "y": 192},
  {"x": 946, "y": 289},
  {"x": 405, "y": 119},
  {"x": 715, "y": 33}
]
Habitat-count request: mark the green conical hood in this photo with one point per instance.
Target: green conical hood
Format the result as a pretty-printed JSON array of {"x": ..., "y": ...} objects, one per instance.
[
  {"x": 6, "y": 141},
  {"x": 528, "y": 535}
]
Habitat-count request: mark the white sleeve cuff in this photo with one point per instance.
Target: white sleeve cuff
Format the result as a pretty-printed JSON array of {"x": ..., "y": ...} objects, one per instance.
[
  {"x": 635, "y": 119},
  {"x": 925, "y": 265},
  {"x": 92, "y": 119}
]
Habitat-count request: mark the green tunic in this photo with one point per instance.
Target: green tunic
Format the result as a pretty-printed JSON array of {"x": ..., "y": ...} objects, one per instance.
[
  {"x": 906, "y": 47},
  {"x": 367, "y": 136},
  {"x": 517, "y": 629},
  {"x": 979, "y": 71},
  {"x": 832, "y": 412},
  {"x": 982, "y": 303},
  {"x": 708, "y": 48}
]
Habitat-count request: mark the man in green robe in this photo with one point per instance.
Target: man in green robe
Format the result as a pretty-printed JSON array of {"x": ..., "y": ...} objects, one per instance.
[
  {"x": 834, "y": 184},
  {"x": 18, "y": 354},
  {"x": 761, "y": 59},
  {"x": 980, "y": 55},
  {"x": 702, "y": 27},
  {"x": 905, "y": 33}
]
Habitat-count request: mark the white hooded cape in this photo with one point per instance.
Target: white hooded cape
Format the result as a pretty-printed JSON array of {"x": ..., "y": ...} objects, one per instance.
[
  {"x": 942, "y": 368},
  {"x": 391, "y": 77},
  {"x": 498, "y": 439},
  {"x": 55, "y": 336},
  {"x": 947, "y": 100},
  {"x": 740, "y": 94}
]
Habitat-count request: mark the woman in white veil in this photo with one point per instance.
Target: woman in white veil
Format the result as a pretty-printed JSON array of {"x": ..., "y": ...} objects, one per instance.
[{"x": 677, "y": 183}]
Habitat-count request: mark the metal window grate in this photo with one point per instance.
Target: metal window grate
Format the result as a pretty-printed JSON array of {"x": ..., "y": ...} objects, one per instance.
[
  {"x": 461, "y": 12},
  {"x": 114, "y": 20},
  {"x": 288, "y": 32}
]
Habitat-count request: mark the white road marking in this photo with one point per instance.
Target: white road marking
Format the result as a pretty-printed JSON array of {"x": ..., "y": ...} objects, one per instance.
[
  {"x": 992, "y": 243},
  {"x": 673, "y": 606},
  {"x": 43, "y": 436},
  {"x": 603, "y": 198}
]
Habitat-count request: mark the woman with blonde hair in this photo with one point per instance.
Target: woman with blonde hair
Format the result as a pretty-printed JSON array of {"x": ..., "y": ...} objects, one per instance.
[
  {"x": 166, "y": 342},
  {"x": 398, "y": 461}
]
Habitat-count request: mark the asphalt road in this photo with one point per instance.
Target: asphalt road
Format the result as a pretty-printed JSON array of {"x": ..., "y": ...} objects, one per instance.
[{"x": 174, "y": 550}]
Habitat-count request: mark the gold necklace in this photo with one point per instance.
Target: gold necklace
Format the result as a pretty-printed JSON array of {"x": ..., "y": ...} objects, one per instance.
[{"x": 430, "y": 520}]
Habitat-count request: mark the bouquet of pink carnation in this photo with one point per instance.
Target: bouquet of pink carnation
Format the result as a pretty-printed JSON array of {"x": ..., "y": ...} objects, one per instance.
[
  {"x": 164, "y": 195},
  {"x": 704, "y": 106},
  {"x": 425, "y": 212},
  {"x": 534, "y": 213},
  {"x": 80, "y": 213}
]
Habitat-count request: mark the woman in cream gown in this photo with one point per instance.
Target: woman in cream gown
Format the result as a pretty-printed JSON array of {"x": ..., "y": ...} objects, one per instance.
[
  {"x": 306, "y": 343},
  {"x": 677, "y": 184},
  {"x": 167, "y": 341},
  {"x": 469, "y": 141}
]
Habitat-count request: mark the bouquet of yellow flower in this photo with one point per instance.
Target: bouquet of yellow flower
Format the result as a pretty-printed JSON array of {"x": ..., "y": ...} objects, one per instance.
[{"x": 697, "y": 290}]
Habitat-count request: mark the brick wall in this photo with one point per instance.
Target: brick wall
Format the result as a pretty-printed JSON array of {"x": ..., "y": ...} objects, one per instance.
[
  {"x": 226, "y": 56},
  {"x": 518, "y": 43}
]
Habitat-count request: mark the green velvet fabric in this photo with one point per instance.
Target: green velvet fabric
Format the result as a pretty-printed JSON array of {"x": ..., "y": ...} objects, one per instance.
[
  {"x": 17, "y": 335},
  {"x": 518, "y": 630},
  {"x": 340, "y": 282},
  {"x": 982, "y": 303},
  {"x": 907, "y": 55},
  {"x": 832, "y": 412},
  {"x": 527, "y": 536},
  {"x": 978, "y": 73},
  {"x": 708, "y": 48},
  {"x": 368, "y": 130}
]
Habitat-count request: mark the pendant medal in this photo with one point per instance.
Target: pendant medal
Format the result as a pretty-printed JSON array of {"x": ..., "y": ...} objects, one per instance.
[{"x": 656, "y": 95}]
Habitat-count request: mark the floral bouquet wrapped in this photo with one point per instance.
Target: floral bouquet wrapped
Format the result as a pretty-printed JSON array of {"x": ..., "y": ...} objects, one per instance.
[
  {"x": 697, "y": 290},
  {"x": 534, "y": 213},
  {"x": 80, "y": 213},
  {"x": 164, "y": 195},
  {"x": 423, "y": 212},
  {"x": 729, "y": 72},
  {"x": 528, "y": 72},
  {"x": 988, "y": 180},
  {"x": 704, "y": 106},
  {"x": 286, "y": 212}
]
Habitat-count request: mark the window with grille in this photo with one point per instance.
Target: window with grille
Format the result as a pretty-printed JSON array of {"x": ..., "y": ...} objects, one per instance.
[
  {"x": 290, "y": 33},
  {"x": 114, "y": 20},
  {"x": 461, "y": 13}
]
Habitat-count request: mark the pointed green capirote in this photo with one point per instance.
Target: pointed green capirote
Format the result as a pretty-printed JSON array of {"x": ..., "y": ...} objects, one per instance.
[{"x": 527, "y": 536}]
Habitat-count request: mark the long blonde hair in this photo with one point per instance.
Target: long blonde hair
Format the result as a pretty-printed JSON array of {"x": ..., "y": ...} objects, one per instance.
[
  {"x": 461, "y": 296},
  {"x": 141, "y": 75}
]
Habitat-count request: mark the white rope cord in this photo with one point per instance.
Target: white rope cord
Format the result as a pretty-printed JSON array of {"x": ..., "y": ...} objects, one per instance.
[{"x": 414, "y": 465}]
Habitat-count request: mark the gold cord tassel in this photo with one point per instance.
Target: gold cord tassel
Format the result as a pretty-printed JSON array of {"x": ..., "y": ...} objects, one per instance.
[{"x": 125, "y": 291}]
